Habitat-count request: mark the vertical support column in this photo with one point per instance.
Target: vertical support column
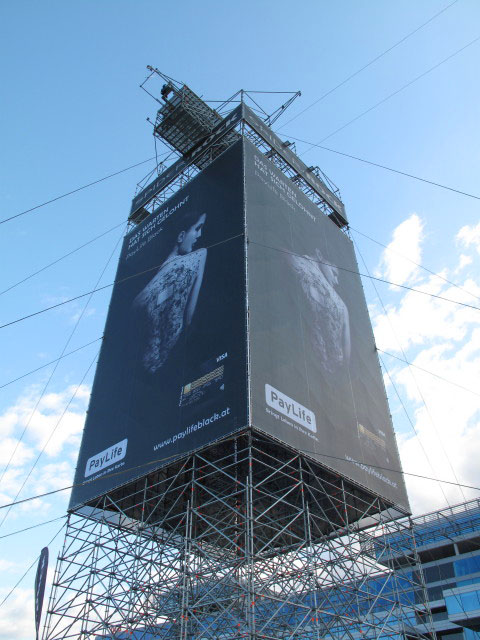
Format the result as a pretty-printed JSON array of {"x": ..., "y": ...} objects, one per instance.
[
  {"x": 110, "y": 608},
  {"x": 134, "y": 577},
  {"x": 187, "y": 569},
  {"x": 237, "y": 535},
  {"x": 184, "y": 609},
  {"x": 310, "y": 556},
  {"x": 55, "y": 585},
  {"x": 250, "y": 545},
  {"x": 423, "y": 587},
  {"x": 90, "y": 596}
]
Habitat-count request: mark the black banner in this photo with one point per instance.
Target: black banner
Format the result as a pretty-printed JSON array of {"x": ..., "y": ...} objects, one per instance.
[
  {"x": 172, "y": 370},
  {"x": 40, "y": 581},
  {"x": 172, "y": 374},
  {"x": 316, "y": 383}
]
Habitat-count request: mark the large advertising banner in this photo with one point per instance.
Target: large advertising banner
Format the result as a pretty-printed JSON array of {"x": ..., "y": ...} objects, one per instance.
[
  {"x": 172, "y": 370},
  {"x": 316, "y": 383}
]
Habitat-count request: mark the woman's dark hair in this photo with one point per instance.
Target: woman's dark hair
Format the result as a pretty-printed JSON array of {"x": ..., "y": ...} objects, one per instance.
[
  {"x": 173, "y": 226},
  {"x": 183, "y": 222}
]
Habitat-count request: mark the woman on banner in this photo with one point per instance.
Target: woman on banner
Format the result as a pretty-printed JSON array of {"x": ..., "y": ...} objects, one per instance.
[
  {"x": 168, "y": 301},
  {"x": 331, "y": 335}
]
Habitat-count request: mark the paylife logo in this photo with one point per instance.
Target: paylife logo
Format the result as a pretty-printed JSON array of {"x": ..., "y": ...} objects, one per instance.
[
  {"x": 106, "y": 458},
  {"x": 290, "y": 408}
]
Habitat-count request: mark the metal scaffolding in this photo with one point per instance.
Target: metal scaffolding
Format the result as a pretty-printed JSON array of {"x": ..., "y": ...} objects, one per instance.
[
  {"x": 184, "y": 123},
  {"x": 245, "y": 539}
]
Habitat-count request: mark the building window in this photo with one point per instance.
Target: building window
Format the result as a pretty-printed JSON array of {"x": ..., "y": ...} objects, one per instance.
[
  {"x": 467, "y": 565},
  {"x": 439, "y": 572}
]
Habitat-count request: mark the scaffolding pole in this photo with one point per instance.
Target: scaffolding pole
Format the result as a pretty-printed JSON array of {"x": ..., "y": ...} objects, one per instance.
[{"x": 246, "y": 539}]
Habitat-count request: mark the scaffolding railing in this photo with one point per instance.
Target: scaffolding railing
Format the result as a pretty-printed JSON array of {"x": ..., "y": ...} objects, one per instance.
[{"x": 245, "y": 539}]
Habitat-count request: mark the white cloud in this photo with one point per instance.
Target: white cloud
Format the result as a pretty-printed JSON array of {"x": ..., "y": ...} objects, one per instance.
[
  {"x": 7, "y": 565},
  {"x": 18, "y": 452},
  {"x": 463, "y": 262},
  {"x": 447, "y": 421},
  {"x": 469, "y": 236},
  {"x": 51, "y": 416},
  {"x": 11, "y": 481},
  {"x": 17, "y": 615},
  {"x": 442, "y": 338},
  {"x": 76, "y": 314},
  {"x": 54, "y": 476},
  {"x": 38, "y": 505},
  {"x": 8, "y": 421},
  {"x": 418, "y": 319},
  {"x": 71, "y": 311},
  {"x": 405, "y": 249}
]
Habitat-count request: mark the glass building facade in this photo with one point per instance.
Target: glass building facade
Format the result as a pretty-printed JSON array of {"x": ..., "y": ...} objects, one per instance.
[{"x": 448, "y": 545}]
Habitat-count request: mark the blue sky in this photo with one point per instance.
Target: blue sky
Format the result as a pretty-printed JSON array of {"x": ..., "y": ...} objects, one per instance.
[{"x": 72, "y": 112}]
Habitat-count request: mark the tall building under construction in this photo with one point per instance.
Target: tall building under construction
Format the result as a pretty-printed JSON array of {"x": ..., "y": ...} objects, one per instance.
[{"x": 238, "y": 476}]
